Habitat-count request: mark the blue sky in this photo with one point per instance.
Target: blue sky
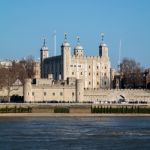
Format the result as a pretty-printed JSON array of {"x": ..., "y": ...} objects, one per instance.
[{"x": 23, "y": 24}]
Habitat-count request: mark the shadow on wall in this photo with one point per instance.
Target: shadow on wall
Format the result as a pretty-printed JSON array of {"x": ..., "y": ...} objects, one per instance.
[
  {"x": 105, "y": 82},
  {"x": 148, "y": 85},
  {"x": 16, "y": 99}
]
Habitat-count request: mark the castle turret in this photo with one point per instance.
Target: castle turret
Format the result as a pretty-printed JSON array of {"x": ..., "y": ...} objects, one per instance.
[
  {"x": 79, "y": 90},
  {"x": 103, "y": 49},
  {"x": 78, "y": 50},
  {"x": 66, "y": 58},
  {"x": 43, "y": 55},
  {"x": 27, "y": 91}
]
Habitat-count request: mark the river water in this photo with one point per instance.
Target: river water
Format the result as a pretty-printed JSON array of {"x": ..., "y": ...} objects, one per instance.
[{"x": 75, "y": 133}]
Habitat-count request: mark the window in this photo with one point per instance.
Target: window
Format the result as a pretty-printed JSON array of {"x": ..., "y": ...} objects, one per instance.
[
  {"x": 32, "y": 93},
  {"x": 53, "y": 94},
  {"x": 72, "y": 93},
  {"x": 61, "y": 93},
  {"x": 97, "y": 73},
  {"x": 104, "y": 74},
  {"x": 97, "y": 83},
  {"x": 44, "y": 93},
  {"x": 105, "y": 67},
  {"x": 89, "y": 67},
  {"x": 72, "y": 73},
  {"x": 89, "y": 73},
  {"x": 97, "y": 67},
  {"x": 81, "y": 73},
  {"x": 105, "y": 82},
  {"x": 89, "y": 83}
]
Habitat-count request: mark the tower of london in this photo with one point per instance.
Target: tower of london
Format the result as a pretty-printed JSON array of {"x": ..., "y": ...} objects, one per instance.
[{"x": 93, "y": 70}]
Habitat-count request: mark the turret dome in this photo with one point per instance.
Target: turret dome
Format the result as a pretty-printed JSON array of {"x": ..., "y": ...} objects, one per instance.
[
  {"x": 78, "y": 50},
  {"x": 44, "y": 47},
  {"x": 103, "y": 44},
  {"x": 78, "y": 47},
  {"x": 65, "y": 43}
]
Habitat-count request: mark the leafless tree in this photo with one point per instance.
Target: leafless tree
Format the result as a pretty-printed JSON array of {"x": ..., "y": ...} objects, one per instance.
[
  {"x": 131, "y": 73},
  {"x": 7, "y": 77},
  {"x": 26, "y": 68},
  {"x": 19, "y": 70}
]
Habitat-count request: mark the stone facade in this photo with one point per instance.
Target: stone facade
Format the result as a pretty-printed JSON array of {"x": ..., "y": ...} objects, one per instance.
[
  {"x": 93, "y": 70},
  {"x": 72, "y": 90},
  {"x": 37, "y": 70}
]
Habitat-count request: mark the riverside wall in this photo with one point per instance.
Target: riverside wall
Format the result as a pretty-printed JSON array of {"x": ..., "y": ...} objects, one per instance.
[{"x": 73, "y": 108}]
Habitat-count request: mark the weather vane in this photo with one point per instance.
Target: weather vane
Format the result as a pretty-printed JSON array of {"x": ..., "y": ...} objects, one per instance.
[
  {"x": 65, "y": 36},
  {"x": 44, "y": 41},
  {"x": 102, "y": 36},
  {"x": 78, "y": 39}
]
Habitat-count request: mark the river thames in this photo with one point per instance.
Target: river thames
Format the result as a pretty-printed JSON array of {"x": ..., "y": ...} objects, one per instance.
[{"x": 75, "y": 133}]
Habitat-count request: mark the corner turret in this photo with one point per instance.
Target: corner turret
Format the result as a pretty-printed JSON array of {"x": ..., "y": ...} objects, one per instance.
[
  {"x": 43, "y": 55},
  {"x": 103, "y": 49},
  {"x": 65, "y": 58},
  {"x": 78, "y": 50}
]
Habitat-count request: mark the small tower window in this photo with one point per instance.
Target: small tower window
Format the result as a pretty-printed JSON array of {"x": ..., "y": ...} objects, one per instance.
[
  {"x": 81, "y": 73},
  {"x": 53, "y": 94},
  {"x": 97, "y": 67},
  {"x": 89, "y": 67},
  {"x": 72, "y": 73},
  {"x": 97, "y": 73},
  {"x": 105, "y": 83},
  {"x": 61, "y": 93},
  {"x": 89, "y": 83},
  {"x": 44, "y": 93},
  {"x": 97, "y": 83},
  {"x": 32, "y": 93},
  {"x": 89, "y": 73},
  {"x": 72, "y": 93}
]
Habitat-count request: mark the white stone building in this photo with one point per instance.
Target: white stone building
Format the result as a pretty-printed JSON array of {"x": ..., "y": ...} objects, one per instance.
[{"x": 94, "y": 70}]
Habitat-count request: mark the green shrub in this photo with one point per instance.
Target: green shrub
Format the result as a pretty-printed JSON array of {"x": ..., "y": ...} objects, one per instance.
[
  {"x": 15, "y": 109},
  {"x": 120, "y": 109},
  {"x": 61, "y": 110}
]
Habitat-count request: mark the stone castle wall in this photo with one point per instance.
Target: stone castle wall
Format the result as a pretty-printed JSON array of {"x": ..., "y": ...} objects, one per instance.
[
  {"x": 15, "y": 90},
  {"x": 114, "y": 94},
  {"x": 74, "y": 91}
]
